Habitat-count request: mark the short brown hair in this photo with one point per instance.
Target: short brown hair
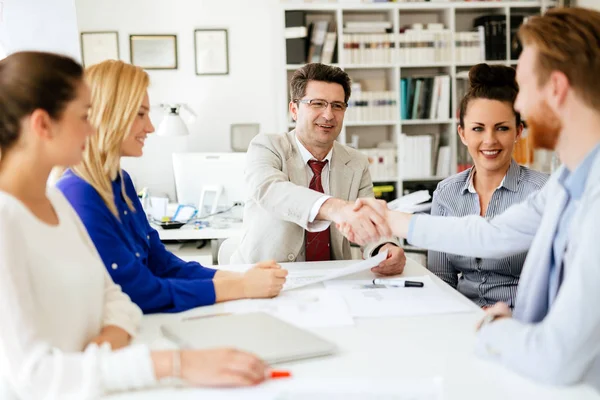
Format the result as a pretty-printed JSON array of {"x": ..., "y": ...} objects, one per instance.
[
  {"x": 492, "y": 82},
  {"x": 567, "y": 40},
  {"x": 30, "y": 81},
  {"x": 318, "y": 72}
]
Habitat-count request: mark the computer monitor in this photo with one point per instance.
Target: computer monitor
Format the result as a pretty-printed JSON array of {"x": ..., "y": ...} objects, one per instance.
[{"x": 198, "y": 172}]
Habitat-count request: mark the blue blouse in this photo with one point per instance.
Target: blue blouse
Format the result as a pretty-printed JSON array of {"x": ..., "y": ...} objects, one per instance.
[{"x": 154, "y": 278}]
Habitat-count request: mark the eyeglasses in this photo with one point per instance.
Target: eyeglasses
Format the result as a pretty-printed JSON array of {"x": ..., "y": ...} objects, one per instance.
[{"x": 319, "y": 104}]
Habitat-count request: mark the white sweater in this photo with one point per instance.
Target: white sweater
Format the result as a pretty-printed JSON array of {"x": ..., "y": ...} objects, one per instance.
[{"x": 55, "y": 296}]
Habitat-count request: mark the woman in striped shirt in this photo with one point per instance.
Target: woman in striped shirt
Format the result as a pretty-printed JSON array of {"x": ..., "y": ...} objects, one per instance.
[{"x": 489, "y": 127}]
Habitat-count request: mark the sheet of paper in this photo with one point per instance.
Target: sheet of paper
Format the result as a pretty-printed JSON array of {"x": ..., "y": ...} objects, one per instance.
[
  {"x": 306, "y": 389},
  {"x": 297, "y": 281},
  {"x": 387, "y": 302},
  {"x": 308, "y": 308},
  {"x": 405, "y": 203},
  {"x": 359, "y": 389}
]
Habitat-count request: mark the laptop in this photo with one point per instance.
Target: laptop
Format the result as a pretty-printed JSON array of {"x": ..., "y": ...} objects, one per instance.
[{"x": 270, "y": 338}]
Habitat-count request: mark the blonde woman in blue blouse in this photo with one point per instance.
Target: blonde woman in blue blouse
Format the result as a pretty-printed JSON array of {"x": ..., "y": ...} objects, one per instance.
[{"x": 105, "y": 199}]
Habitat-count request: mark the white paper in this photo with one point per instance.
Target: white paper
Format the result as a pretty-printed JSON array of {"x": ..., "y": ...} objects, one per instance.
[
  {"x": 405, "y": 203},
  {"x": 309, "y": 308},
  {"x": 295, "y": 281},
  {"x": 306, "y": 389},
  {"x": 402, "y": 301},
  {"x": 360, "y": 389}
]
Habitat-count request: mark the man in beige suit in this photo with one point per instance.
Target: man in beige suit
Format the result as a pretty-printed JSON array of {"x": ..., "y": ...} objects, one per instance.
[{"x": 302, "y": 181}]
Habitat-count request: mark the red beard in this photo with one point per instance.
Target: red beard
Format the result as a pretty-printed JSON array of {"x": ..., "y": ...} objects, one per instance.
[{"x": 543, "y": 128}]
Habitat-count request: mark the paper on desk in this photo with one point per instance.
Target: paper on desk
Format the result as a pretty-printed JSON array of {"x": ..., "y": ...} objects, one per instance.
[
  {"x": 306, "y": 389},
  {"x": 360, "y": 389},
  {"x": 295, "y": 281},
  {"x": 408, "y": 202},
  {"x": 389, "y": 302},
  {"x": 309, "y": 308}
]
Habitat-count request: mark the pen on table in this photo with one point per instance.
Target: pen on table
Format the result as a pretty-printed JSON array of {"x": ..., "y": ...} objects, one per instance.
[
  {"x": 276, "y": 374},
  {"x": 397, "y": 283}
]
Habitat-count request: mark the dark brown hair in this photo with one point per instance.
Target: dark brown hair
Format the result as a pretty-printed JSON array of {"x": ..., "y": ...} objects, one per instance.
[
  {"x": 567, "y": 40},
  {"x": 492, "y": 82},
  {"x": 318, "y": 72},
  {"x": 30, "y": 81}
]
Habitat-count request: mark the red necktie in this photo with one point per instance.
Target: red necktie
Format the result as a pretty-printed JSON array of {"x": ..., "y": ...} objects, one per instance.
[{"x": 318, "y": 244}]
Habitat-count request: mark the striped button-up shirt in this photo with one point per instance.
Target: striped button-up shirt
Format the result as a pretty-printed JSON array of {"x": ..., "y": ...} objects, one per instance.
[{"x": 484, "y": 281}]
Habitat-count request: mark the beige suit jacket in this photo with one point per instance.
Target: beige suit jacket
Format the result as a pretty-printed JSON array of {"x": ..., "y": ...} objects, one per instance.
[{"x": 277, "y": 210}]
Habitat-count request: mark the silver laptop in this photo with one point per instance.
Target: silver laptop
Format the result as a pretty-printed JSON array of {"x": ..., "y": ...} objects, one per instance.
[{"x": 270, "y": 338}]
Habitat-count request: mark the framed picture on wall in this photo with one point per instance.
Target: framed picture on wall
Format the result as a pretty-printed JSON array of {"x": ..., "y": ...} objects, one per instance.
[
  {"x": 212, "y": 51},
  {"x": 99, "y": 46},
  {"x": 153, "y": 51}
]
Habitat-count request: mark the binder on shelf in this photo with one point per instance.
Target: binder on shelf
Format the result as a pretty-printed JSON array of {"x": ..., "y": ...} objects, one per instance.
[
  {"x": 317, "y": 41},
  {"x": 296, "y": 34}
]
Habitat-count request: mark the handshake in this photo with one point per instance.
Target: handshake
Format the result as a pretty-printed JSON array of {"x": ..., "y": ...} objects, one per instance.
[{"x": 366, "y": 220}]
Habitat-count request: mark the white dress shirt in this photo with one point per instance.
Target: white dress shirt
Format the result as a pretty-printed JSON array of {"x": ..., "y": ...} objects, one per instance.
[
  {"x": 56, "y": 296},
  {"x": 315, "y": 225}
]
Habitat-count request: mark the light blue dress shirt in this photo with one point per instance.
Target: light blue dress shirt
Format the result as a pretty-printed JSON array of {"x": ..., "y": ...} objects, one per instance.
[
  {"x": 574, "y": 185},
  {"x": 554, "y": 343}
]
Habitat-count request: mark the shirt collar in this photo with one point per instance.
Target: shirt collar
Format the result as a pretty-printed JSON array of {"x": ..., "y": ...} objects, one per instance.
[
  {"x": 574, "y": 182},
  {"x": 509, "y": 182},
  {"x": 306, "y": 155}
]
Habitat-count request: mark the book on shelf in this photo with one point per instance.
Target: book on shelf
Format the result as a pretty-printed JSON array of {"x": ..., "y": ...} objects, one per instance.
[
  {"x": 417, "y": 152},
  {"x": 383, "y": 163},
  {"x": 425, "y": 97},
  {"x": 372, "y": 106},
  {"x": 317, "y": 40},
  {"x": 494, "y": 28},
  {"x": 469, "y": 47},
  {"x": 296, "y": 34},
  {"x": 424, "y": 46},
  {"x": 368, "y": 48}
]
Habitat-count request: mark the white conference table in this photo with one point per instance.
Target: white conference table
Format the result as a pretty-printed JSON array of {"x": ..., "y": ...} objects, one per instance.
[{"x": 399, "y": 348}]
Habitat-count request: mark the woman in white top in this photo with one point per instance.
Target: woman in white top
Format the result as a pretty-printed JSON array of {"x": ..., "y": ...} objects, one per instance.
[{"x": 63, "y": 318}]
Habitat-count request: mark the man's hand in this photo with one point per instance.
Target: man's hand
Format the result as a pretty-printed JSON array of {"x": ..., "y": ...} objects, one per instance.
[
  {"x": 365, "y": 223},
  {"x": 115, "y": 336},
  {"x": 495, "y": 312},
  {"x": 394, "y": 263}
]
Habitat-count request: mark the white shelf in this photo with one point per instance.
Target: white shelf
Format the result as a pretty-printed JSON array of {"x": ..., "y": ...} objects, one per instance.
[
  {"x": 426, "y": 121},
  {"x": 427, "y": 65},
  {"x": 454, "y": 15},
  {"x": 293, "y": 67},
  {"x": 424, "y": 178},
  {"x": 386, "y": 179},
  {"x": 411, "y": 6},
  {"x": 490, "y": 62},
  {"x": 368, "y": 66},
  {"x": 370, "y": 123}
]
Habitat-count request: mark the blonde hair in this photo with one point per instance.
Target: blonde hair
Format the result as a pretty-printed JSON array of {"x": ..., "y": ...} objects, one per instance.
[
  {"x": 118, "y": 90},
  {"x": 567, "y": 40}
]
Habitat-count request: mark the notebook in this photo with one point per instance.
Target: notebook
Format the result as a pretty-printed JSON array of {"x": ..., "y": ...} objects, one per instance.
[{"x": 270, "y": 338}]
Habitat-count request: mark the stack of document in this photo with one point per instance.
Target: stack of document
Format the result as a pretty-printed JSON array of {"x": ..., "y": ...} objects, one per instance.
[
  {"x": 412, "y": 203},
  {"x": 367, "y": 300}
]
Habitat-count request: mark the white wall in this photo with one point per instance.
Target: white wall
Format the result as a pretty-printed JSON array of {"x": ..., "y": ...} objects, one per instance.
[
  {"x": 39, "y": 25},
  {"x": 250, "y": 93},
  {"x": 589, "y": 4}
]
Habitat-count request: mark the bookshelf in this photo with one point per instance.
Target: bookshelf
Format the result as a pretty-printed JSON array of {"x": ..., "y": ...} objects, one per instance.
[{"x": 384, "y": 61}]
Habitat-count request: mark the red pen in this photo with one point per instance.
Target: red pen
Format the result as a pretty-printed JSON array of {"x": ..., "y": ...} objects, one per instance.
[{"x": 276, "y": 374}]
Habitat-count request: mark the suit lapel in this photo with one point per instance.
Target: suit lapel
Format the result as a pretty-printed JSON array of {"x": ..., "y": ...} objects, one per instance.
[
  {"x": 341, "y": 176},
  {"x": 296, "y": 168}
]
